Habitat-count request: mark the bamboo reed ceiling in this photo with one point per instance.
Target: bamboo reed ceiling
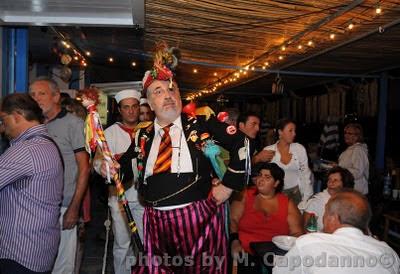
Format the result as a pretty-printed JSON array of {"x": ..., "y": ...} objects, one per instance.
[
  {"x": 242, "y": 32},
  {"x": 218, "y": 38}
]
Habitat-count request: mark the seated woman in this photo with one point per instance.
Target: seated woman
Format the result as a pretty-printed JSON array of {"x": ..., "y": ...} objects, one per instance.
[
  {"x": 338, "y": 178},
  {"x": 261, "y": 213}
]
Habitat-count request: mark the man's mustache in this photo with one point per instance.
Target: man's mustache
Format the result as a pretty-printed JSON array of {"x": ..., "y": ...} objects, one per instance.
[{"x": 168, "y": 102}]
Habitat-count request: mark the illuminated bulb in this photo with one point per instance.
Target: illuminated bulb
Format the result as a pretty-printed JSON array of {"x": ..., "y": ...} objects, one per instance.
[
  {"x": 88, "y": 53},
  {"x": 234, "y": 79},
  {"x": 266, "y": 63},
  {"x": 246, "y": 68},
  {"x": 76, "y": 58},
  {"x": 252, "y": 68},
  {"x": 378, "y": 10},
  {"x": 332, "y": 36},
  {"x": 194, "y": 70},
  {"x": 110, "y": 59},
  {"x": 245, "y": 72},
  {"x": 215, "y": 74},
  {"x": 299, "y": 46},
  {"x": 350, "y": 26},
  {"x": 264, "y": 67},
  {"x": 84, "y": 64},
  {"x": 237, "y": 74},
  {"x": 310, "y": 43},
  {"x": 241, "y": 71},
  {"x": 67, "y": 46},
  {"x": 226, "y": 81},
  {"x": 283, "y": 48},
  {"x": 133, "y": 64},
  {"x": 280, "y": 57},
  {"x": 64, "y": 43}
]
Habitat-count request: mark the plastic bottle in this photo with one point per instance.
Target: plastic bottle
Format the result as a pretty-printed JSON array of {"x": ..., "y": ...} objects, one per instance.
[
  {"x": 387, "y": 185},
  {"x": 312, "y": 225}
]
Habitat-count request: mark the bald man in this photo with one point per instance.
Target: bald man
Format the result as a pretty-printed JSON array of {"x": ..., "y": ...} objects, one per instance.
[{"x": 344, "y": 248}]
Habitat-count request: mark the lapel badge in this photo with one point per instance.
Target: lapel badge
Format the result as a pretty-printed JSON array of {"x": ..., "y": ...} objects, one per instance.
[{"x": 193, "y": 136}]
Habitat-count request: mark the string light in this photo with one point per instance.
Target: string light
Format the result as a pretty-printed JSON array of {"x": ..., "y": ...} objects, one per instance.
[
  {"x": 194, "y": 70},
  {"x": 88, "y": 53},
  {"x": 243, "y": 70},
  {"x": 76, "y": 58},
  {"x": 133, "y": 64},
  {"x": 215, "y": 74},
  {"x": 110, "y": 59}
]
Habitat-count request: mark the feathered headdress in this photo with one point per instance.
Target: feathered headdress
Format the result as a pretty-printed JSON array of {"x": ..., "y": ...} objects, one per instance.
[{"x": 165, "y": 62}]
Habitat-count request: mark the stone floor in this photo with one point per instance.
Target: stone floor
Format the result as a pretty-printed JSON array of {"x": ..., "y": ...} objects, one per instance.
[{"x": 94, "y": 240}]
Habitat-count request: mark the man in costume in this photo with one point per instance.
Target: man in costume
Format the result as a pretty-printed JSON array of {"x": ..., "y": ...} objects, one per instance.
[
  {"x": 119, "y": 137},
  {"x": 184, "y": 217}
]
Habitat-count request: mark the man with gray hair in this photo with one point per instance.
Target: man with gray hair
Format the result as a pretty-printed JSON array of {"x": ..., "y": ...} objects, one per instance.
[
  {"x": 67, "y": 131},
  {"x": 344, "y": 248}
]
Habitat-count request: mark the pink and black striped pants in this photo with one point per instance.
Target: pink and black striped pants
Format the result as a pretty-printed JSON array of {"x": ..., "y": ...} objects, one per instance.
[{"x": 184, "y": 240}]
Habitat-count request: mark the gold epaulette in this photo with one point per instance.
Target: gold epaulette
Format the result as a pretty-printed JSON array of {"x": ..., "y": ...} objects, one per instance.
[
  {"x": 205, "y": 111},
  {"x": 143, "y": 125}
]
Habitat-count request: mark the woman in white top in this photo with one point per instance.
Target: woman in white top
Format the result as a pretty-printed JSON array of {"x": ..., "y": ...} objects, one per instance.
[
  {"x": 338, "y": 178},
  {"x": 292, "y": 158},
  {"x": 355, "y": 157}
]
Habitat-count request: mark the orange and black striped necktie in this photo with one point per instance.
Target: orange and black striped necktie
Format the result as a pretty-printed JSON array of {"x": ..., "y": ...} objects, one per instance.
[{"x": 164, "y": 157}]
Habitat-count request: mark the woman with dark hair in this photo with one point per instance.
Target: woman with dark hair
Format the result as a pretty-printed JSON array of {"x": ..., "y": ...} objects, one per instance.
[
  {"x": 261, "y": 213},
  {"x": 338, "y": 178},
  {"x": 292, "y": 158}
]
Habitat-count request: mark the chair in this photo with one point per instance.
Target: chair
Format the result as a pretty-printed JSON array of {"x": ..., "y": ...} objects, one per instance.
[{"x": 391, "y": 218}]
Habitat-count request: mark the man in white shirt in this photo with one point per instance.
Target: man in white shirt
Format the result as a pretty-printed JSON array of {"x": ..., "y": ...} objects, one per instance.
[
  {"x": 119, "y": 136},
  {"x": 344, "y": 248}
]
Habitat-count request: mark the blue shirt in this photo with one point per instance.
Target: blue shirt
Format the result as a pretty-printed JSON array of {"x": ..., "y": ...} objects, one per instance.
[{"x": 31, "y": 187}]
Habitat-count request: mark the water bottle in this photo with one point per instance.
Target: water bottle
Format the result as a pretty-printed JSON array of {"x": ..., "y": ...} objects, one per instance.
[
  {"x": 387, "y": 185},
  {"x": 312, "y": 225}
]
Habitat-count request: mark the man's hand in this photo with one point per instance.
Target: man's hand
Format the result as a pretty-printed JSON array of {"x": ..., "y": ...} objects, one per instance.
[
  {"x": 220, "y": 192},
  {"x": 236, "y": 249},
  {"x": 109, "y": 169},
  {"x": 264, "y": 156},
  {"x": 70, "y": 218}
]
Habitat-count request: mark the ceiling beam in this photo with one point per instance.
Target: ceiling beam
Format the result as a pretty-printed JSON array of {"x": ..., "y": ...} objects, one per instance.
[
  {"x": 71, "y": 19},
  {"x": 137, "y": 8}
]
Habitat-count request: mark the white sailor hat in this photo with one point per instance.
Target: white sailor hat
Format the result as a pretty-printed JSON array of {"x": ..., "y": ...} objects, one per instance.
[{"x": 127, "y": 93}]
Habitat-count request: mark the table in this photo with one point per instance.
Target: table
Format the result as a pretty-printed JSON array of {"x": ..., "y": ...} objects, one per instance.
[{"x": 261, "y": 249}]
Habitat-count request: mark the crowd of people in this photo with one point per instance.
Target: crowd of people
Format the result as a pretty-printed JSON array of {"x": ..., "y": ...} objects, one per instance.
[{"x": 170, "y": 160}]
